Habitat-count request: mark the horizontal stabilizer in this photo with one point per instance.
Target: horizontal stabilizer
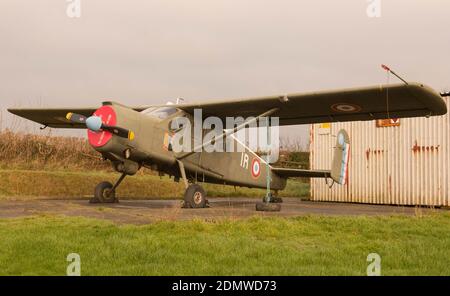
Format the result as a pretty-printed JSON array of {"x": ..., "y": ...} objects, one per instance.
[{"x": 288, "y": 173}]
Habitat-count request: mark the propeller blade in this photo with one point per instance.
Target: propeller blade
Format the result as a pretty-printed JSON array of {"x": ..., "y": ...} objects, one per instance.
[
  {"x": 118, "y": 131},
  {"x": 95, "y": 124},
  {"x": 76, "y": 118}
]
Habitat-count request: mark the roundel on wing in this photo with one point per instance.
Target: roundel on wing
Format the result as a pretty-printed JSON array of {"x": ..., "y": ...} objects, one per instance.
[
  {"x": 256, "y": 168},
  {"x": 346, "y": 108}
]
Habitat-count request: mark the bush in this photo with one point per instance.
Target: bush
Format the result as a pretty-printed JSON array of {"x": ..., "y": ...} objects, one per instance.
[{"x": 28, "y": 151}]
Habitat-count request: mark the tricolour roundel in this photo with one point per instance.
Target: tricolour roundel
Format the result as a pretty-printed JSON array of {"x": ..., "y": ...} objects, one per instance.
[
  {"x": 346, "y": 108},
  {"x": 108, "y": 116},
  {"x": 256, "y": 168}
]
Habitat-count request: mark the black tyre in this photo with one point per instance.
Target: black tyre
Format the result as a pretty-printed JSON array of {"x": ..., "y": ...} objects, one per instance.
[
  {"x": 104, "y": 193},
  {"x": 268, "y": 207},
  {"x": 274, "y": 199},
  {"x": 195, "y": 197}
]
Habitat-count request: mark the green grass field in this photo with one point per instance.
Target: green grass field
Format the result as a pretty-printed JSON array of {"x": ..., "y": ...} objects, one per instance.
[
  {"x": 311, "y": 245},
  {"x": 34, "y": 167},
  {"x": 258, "y": 246},
  {"x": 25, "y": 184}
]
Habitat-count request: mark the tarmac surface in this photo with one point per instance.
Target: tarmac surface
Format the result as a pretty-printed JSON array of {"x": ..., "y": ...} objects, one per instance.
[{"x": 147, "y": 211}]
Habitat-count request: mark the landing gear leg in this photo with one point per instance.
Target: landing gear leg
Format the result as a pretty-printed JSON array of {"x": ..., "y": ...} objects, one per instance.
[{"x": 105, "y": 192}]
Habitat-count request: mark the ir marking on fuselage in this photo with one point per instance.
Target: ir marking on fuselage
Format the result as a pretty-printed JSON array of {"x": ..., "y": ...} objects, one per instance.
[{"x": 244, "y": 160}]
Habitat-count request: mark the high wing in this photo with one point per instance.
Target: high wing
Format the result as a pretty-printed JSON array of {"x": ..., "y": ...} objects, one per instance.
[
  {"x": 378, "y": 102},
  {"x": 289, "y": 173},
  {"x": 53, "y": 117},
  {"x": 56, "y": 117}
]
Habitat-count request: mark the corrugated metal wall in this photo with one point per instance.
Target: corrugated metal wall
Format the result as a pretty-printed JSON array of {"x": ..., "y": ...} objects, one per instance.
[{"x": 404, "y": 165}]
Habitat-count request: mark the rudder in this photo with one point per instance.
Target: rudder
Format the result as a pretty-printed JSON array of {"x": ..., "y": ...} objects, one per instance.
[{"x": 339, "y": 169}]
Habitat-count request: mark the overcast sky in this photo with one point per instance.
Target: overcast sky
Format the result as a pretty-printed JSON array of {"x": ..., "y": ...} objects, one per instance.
[{"x": 142, "y": 52}]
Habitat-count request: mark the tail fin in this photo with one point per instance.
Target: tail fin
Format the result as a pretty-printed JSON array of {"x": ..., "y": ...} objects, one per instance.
[{"x": 339, "y": 169}]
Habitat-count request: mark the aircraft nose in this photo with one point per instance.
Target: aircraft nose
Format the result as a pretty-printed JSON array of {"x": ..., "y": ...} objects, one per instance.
[{"x": 94, "y": 123}]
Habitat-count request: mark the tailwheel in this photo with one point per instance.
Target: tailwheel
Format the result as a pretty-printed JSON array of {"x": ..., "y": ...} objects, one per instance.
[
  {"x": 195, "y": 197},
  {"x": 272, "y": 199},
  {"x": 276, "y": 199},
  {"x": 104, "y": 193},
  {"x": 269, "y": 204}
]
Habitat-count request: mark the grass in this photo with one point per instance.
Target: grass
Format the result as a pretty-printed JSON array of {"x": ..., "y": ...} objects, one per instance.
[
  {"x": 311, "y": 245},
  {"x": 25, "y": 184}
]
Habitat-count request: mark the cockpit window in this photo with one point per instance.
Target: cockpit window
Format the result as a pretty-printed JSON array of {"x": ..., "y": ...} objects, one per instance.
[{"x": 160, "y": 112}]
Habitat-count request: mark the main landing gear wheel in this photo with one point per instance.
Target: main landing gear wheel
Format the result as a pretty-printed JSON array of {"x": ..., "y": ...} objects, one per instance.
[
  {"x": 195, "y": 197},
  {"x": 104, "y": 193},
  {"x": 268, "y": 207}
]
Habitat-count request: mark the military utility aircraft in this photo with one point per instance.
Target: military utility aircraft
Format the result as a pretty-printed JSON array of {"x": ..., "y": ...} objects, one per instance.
[{"x": 135, "y": 137}]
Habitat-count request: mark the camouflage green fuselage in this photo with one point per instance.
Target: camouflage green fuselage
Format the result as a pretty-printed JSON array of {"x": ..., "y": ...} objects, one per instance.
[{"x": 150, "y": 149}]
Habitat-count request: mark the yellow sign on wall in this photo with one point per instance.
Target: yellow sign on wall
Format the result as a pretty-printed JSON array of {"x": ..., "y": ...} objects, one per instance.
[{"x": 325, "y": 128}]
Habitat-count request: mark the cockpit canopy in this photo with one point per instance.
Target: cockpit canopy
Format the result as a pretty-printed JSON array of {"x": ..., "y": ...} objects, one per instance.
[{"x": 161, "y": 113}]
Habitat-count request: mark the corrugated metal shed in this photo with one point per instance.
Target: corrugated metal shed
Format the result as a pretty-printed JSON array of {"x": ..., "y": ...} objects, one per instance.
[{"x": 401, "y": 165}]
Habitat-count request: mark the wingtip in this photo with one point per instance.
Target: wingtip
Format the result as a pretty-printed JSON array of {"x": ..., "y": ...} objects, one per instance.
[{"x": 11, "y": 110}]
